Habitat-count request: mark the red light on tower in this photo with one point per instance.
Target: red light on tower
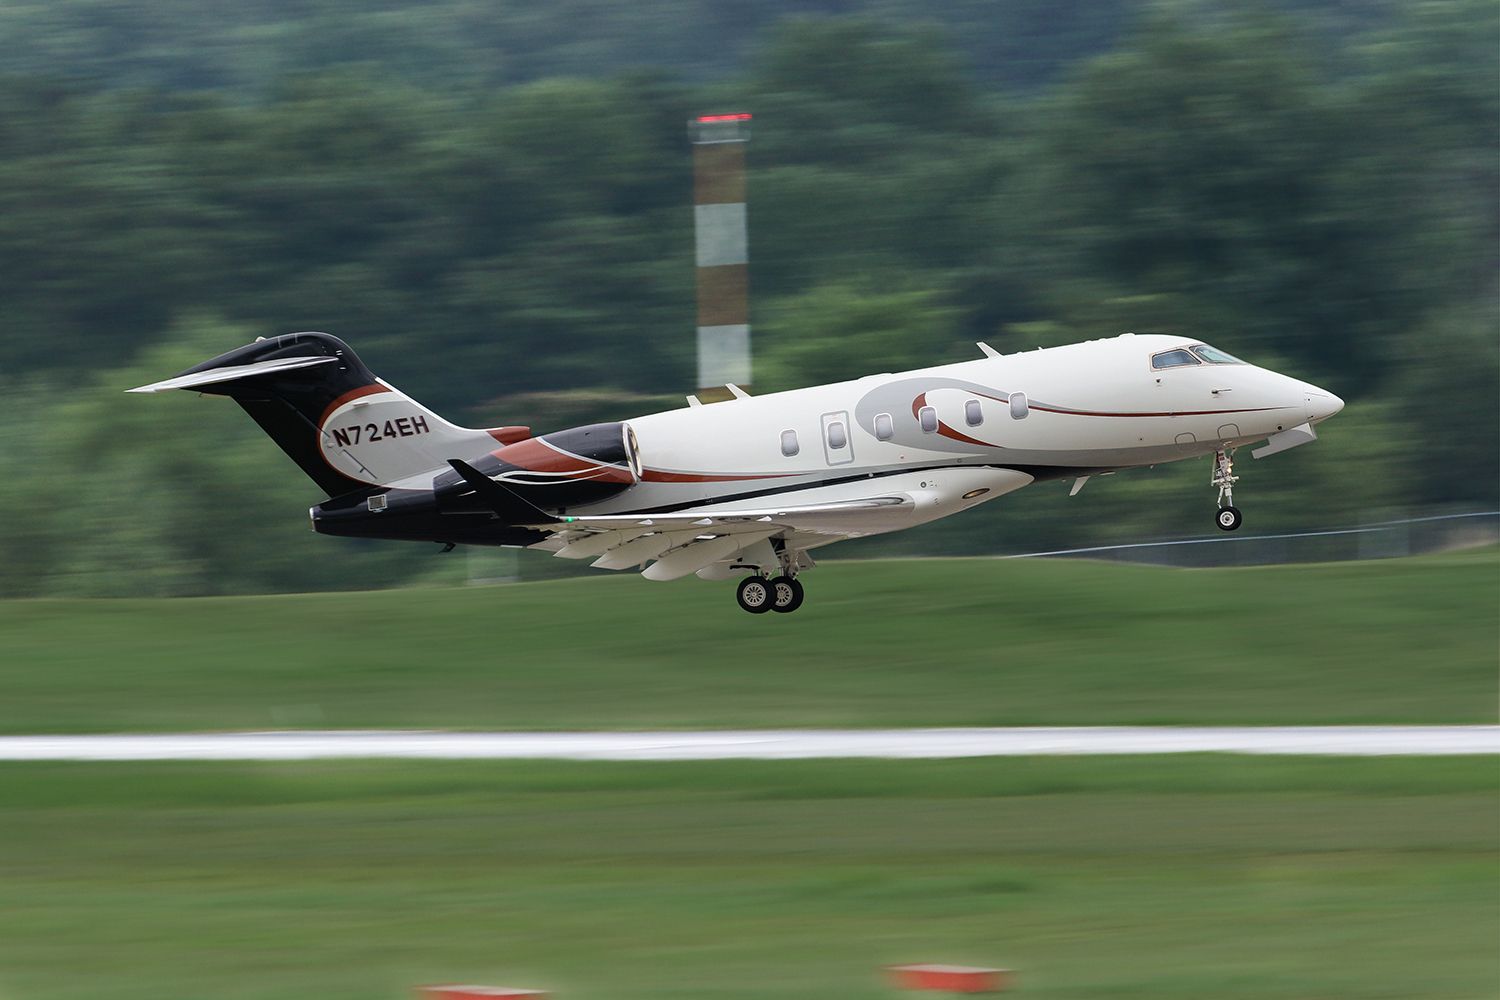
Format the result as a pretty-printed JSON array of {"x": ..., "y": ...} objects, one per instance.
[{"x": 719, "y": 128}]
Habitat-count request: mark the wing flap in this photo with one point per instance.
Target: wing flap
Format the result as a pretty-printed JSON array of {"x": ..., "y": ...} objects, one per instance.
[{"x": 718, "y": 521}]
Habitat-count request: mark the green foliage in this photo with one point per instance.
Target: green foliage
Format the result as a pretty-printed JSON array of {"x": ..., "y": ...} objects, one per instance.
[
  {"x": 114, "y": 495},
  {"x": 827, "y": 332},
  {"x": 493, "y": 206}
]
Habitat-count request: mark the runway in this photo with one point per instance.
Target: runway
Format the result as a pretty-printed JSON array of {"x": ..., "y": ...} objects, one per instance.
[{"x": 767, "y": 744}]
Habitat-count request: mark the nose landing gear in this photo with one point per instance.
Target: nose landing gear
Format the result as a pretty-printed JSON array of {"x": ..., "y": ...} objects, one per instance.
[{"x": 1228, "y": 518}]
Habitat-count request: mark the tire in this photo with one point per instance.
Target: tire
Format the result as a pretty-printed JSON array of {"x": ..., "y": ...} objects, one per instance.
[
  {"x": 754, "y": 595},
  {"x": 1228, "y": 518},
  {"x": 786, "y": 595}
]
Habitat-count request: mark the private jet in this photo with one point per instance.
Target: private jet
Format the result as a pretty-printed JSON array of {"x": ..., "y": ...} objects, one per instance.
[{"x": 753, "y": 484}]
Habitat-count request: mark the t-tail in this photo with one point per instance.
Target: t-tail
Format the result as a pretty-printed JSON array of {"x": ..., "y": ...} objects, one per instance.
[
  {"x": 393, "y": 467},
  {"x": 343, "y": 426}
]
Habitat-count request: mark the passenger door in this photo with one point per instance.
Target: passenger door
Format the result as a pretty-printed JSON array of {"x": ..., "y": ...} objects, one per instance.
[{"x": 838, "y": 440}]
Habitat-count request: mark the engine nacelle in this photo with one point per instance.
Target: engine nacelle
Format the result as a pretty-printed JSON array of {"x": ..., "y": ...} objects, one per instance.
[{"x": 570, "y": 468}]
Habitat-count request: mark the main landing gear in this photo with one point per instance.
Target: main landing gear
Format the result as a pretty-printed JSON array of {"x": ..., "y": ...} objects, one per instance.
[
  {"x": 1228, "y": 518},
  {"x": 757, "y": 595}
]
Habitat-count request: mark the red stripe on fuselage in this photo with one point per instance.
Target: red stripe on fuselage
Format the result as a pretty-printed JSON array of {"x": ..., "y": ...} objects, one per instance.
[
  {"x": 536, "y": 455},
  {"x": 957, "y": 435},
  {"x": 945, "y": 430},
  {"x": 509, "y": 435},
  {"x": 1167, "y": 413}
]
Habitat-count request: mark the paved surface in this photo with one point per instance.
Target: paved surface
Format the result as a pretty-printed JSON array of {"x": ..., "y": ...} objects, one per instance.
[{"x": 766, "y": 744}]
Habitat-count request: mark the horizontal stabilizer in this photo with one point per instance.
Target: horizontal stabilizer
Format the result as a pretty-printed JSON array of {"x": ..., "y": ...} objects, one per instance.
[{"x": 217, "y": 376}]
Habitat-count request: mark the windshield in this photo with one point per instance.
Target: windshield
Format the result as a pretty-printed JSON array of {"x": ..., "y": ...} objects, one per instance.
[
  {"x": 1172, "y": 359},
  {"x": 1214, "y": 356}
]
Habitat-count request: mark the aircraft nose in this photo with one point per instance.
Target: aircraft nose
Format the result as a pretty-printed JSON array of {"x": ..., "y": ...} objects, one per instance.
[{"x": 1321, "y": 404}]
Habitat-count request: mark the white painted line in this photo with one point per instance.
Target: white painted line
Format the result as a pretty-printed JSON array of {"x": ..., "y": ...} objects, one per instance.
[
  {"x": 1221, "y": 539},
  {"x": 765, "y": 744}
]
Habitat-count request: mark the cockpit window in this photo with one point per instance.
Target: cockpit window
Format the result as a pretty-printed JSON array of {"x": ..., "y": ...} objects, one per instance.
[
  {"x": 1173, "y": 359},
  {"x": 1214, "y": 356}
]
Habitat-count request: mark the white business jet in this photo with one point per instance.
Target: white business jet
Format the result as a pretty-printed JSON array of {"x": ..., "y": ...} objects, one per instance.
[{"x": 751, "y": 485}]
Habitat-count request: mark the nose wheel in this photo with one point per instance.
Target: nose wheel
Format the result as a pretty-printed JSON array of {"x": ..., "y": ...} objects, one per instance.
[
  {"x": 758, "y": 595},
  {"x": 1228, "y": 517}
]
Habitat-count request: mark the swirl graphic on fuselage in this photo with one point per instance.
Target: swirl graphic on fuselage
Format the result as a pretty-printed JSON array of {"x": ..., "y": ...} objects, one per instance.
[{"x": 902, "y": 399}]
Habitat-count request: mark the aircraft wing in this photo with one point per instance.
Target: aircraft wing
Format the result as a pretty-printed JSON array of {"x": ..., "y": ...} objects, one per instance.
[
  {"x": 806, "y": 517},
  {"x": 691, "y": 541},
  {"x": 701, "y": 538}
]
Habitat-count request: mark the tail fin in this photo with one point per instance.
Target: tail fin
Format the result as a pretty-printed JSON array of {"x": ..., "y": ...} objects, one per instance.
[{"x": 344, "y": 427}]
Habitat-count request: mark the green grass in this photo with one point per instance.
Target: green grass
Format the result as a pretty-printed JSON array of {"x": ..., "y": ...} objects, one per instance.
[
  {"x": 920, "y": 642},
  {"x": 1177, "y": 877},
  {"x": 959, "y": 642}
]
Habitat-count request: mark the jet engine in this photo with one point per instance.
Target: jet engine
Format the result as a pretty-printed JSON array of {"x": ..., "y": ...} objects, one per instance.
[{"x": 581, "y": 465}]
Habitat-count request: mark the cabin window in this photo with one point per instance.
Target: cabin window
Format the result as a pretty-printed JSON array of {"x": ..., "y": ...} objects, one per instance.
[
  {"x": 1214, "y": 356},
  {"x": 927, "y": 417},
  {"x": 789, "y": 445},
  {"x": 973, "y": 413},
  {"x": 885, "y": 427},
  {"x": 1019, "y": 407},
  {"x": 1173, "y": 359},
  {"x": 837, "y": 436}
]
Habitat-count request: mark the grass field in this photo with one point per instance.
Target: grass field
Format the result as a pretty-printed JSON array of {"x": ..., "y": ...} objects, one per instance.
[
  {"x": 1181, "y": 877},
  {"x": 950, "y": 642}
]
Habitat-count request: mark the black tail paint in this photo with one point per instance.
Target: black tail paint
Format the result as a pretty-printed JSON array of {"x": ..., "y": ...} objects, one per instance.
[{"x": 290, "y": 405}]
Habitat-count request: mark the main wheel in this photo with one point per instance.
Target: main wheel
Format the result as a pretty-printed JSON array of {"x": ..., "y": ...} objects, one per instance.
[
  {"x": 1229, "y": 518},
  {"x": 786, "y": 595},
  {"x": 754, "y": 595}
]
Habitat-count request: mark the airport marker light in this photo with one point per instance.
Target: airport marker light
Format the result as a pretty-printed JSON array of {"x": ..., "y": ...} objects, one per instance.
[
  {"x": 722, "y": 252},
  {"x": 951, "y": 978}
]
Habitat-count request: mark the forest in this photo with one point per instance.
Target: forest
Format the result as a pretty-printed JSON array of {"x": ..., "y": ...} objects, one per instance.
[{"x": 492, "y": 204}]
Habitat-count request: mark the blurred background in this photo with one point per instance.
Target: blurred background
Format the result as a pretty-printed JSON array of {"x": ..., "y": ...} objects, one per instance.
[{"x": 492, "y": 203}]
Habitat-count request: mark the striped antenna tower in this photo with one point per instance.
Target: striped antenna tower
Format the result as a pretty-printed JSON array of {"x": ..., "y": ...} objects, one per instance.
[{"x": 723, "y": 254}]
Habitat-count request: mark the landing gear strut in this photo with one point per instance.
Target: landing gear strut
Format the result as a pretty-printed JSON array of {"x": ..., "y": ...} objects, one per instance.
[{"x": 1224, "y": 478}]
